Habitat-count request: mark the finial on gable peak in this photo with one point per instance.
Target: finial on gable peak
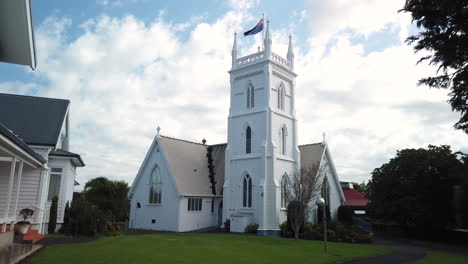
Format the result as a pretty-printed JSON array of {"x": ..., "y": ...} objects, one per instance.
[
  {"x": 158, "y": 129},
  {"x": 323, "y": 141}
]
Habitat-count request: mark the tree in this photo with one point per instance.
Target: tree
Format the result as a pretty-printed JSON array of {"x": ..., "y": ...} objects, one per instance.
[
  {"x": 443, "y": 28},
  {"x": 109, "y": 196},
  {"x": 302, "y": 188},
  {"x": 66, "y": 218},
  {"x": 415, "y": 189},
  {"x": 53, "y": 215}
]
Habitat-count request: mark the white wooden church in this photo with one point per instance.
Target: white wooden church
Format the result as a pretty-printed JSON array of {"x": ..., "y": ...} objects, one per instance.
[{"x": 183, "y": 186}]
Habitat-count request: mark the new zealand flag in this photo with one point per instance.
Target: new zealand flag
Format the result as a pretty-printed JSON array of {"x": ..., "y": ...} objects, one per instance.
[{"x": 256, "y": 29}]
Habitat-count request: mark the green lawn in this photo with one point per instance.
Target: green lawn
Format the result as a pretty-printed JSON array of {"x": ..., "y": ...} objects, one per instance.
[
  {"x": 437, "y": 257},
  {"x": 202, "y": 248}
]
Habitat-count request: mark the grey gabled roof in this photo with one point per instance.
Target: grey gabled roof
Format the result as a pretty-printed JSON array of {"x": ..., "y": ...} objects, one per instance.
[
  {"x": 16, "y": 140},
  {"x": 63, "y": 153},
  {"x": 36, "y": 120},
  {"x": 188, "y": 164},
  {"x": 311, "y": 154}
]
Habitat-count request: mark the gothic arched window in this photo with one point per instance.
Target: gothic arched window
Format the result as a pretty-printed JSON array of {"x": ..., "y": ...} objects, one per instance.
[
  {"x": 155, "y": 186},
  {"x": 247, "y": 192},
  {"x": 283, "y": 140},
  {"x": 281, "y": 94},
  {"x": 250, "y": 96},
  {"x": 284, "y": 185},
  {"x": 248, "y": 140}
]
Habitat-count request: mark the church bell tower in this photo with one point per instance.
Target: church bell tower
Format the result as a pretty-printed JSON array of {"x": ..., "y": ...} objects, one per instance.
[{"x": 262, "y": 137}]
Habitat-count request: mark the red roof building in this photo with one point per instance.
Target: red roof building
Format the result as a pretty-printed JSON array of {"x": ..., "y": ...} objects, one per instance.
[{"x": 354, "y": 197}]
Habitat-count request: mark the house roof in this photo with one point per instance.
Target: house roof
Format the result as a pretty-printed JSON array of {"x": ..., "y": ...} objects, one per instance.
[
  {"x": 354, "y": 197},
  {"x": 4, "y": 131},
  {"x": 311, "y": 154},
  {"x": 76, "y": 158},
  {"x": 188, "y": 163},
  {"x": 36, "y": 120}
]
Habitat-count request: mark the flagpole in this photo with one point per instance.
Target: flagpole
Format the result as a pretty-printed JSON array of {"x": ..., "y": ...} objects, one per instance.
[{"x": 263, "y": 32}]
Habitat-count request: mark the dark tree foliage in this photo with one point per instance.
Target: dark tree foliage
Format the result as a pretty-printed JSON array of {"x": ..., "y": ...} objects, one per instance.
[
  {"x": 345, "y": 214},
  {"x": 415, "y": 189},
  {"x": 109, "y": 196},
  {"x": 320, "y": 214},
  {"x": 53, "y": 215},
  {"x": 443, "y": 28},
  {"x": 296, "y": 217},
  {"x": 66, "y": 218}
]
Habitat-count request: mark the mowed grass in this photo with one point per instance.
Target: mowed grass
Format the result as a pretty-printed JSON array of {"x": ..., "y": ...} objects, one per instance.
[
  {"x": 202, "y": 248},
  {"x": 437, "y": 257}
]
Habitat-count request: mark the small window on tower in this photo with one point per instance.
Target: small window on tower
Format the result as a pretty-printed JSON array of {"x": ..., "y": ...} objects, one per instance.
[
  {"x": 248, "y": 140},
  {"x": 250, "y": 96}
]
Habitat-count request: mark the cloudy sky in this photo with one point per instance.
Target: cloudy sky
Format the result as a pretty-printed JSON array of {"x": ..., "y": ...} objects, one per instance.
[{"x": 130, "y": 65}]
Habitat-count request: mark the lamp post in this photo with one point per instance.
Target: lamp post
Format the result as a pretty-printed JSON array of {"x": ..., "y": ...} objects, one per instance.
[{"x": 321, "y": 203}]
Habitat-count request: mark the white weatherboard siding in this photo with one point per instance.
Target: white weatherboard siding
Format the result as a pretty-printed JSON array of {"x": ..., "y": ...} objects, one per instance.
[
  {"x": 66, "y": 187},
  {"x": 29, "y": 190},
  {"x": 165, "y": 214},
  {"x": 194, "y": 220}
]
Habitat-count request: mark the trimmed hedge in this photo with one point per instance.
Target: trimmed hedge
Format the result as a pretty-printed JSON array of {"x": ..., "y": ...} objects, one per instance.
[{"x": 336, "y": 232}]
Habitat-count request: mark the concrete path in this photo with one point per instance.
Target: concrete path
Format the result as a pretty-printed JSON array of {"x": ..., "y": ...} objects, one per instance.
[{"x": 403, "y": 251}]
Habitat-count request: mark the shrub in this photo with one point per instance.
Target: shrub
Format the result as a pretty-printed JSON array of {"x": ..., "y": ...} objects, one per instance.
[
  {"x": 227, "y": 225},
  {"x": 312, "y": 231},
  {"x": 66, "y": 218},
  {"x": 363, "y": 238},
  {"x": 345, "y": 214},
  {"x": 26, "y": 213},
  {"x": 285, "y": 232},
  {"x": 53, "y": 215},
  {"x": 251, "y": 228}
]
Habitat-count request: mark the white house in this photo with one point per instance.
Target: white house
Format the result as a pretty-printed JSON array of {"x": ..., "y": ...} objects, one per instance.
[
  {"x": 35, "y": 160},
  {"x": 183, "y": 186}
]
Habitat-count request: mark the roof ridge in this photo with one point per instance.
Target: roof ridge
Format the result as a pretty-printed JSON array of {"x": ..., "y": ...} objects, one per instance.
[
  {"x": 217, "y": 144},
  {"x": 311, "y": 144},
  {"x": 183, "y": 140},
  {"x": 38, "y": 97}
]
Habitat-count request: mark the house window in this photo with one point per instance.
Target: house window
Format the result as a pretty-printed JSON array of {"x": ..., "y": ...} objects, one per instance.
[
  {"x": 155, "y": 186},
  {"x": 283, "y": 191},
  {"x": 54, "y": 183},
  {"x": 212, "y": 205},
  {"x": 281, "y": 94},
  {"x": 283, "y": 140},
  {"x": 247, "y": 192},
  {"x": 248, "y": 140},
  {"x": 250, "y": 96},
  {"x": 194, "y": 204}
]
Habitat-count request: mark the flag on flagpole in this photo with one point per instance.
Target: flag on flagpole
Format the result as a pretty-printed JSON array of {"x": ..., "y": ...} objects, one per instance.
[{"x": 256, "y": 29}]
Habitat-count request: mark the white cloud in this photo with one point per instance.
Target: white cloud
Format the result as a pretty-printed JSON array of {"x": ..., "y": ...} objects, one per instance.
[{"x": 125, "y": 77}]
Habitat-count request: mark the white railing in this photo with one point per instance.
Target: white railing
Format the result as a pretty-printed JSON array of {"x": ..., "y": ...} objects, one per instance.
[
  {"x": 280, "y": 60},
  {"x": 252, "y": 58},
  {"x": 4, "y": 222},
  {"x": 249, "y": 59}
]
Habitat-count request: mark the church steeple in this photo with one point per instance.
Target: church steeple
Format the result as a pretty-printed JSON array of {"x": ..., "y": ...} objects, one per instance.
[
  {"x": 234, "y": 50},
  {"x": 290, "y": 55},
  {"x": 267, "y": 41}
]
